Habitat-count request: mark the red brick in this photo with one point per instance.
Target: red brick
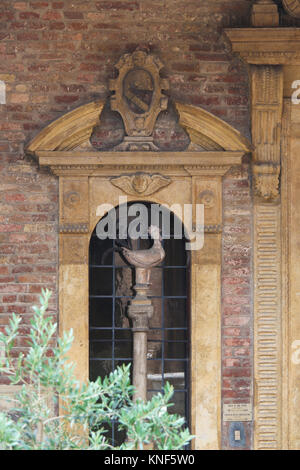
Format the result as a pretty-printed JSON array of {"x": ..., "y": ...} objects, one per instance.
[
  {"x": 39, "y": 5},
  {"x": 117, "y": 5},
  {"x": 27, "y": 36},
  {"x": 35, "y": 289},
  {"x": 52, "y": 15},
  {"x": 21, "y": 5},
  {"x": 57, "y": 25},
  {"x": 12, "y": 288},
  {"x": 236, "y": 100},
  {"x": 28, "y": 15},
  {"x": 237, "y": 341},
  {"x": 5, "y": 279},
  {"x": 73, "y": 88},
  {"x": 73, "y": 15},
  {"x": 6, "y": 15},
  {"x": 78, "y": 26},
  {"x": 236, "y": 320},
  {"x": 66, "y": 98},
  {"x": 9, "y": 298},
  {"x": 245, "y": 393},
  {"x": 28, "y": 298},
  {"x": 57, "y": 5},
  {"x": 4, "y": 270},
  {"x": 17, "y": 25},
  {"x": 235, "y": 300},
  {"x": 15, "y": 197},
  {"x": 237, "y": 372},
  {"x": 232, "y": 362},
  {"x": 18, "y": 309},
  {"x": 30, "y": 126},
  {"x": 242, "y": 352},
  {"x": 38, "y": 68},
  {"x": 91, "y": 67},
  {"x": 183, "y": 67},
  {"x": 22, "y": 269},
  {"x": 10, "y": 228},
  {"x": 106, "y": 26}
]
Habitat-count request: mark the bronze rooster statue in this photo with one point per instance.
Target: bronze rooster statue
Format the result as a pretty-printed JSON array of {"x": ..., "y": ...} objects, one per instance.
[{"x": 146, "y": 259}]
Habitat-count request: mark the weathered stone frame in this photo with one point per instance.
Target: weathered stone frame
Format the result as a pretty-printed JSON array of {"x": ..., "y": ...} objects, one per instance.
[{"x": 85, "y": 182}]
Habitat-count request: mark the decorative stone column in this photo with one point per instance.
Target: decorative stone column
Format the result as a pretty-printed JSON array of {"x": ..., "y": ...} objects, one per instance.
[
  {"x": 266, "y": 50},
  {"x": 140, "y": 311}
]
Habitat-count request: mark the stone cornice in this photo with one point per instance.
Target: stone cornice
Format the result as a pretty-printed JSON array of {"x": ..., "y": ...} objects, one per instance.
[
  {"x": 108, "y": 163},
  {"x": 266, "y": 46}
]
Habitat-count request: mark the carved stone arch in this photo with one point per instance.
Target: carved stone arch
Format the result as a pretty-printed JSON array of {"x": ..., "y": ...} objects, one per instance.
[{"x": 89, "y": 178}]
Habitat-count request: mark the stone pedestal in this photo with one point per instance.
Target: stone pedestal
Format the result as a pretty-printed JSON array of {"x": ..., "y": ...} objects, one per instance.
[{"x": 265, "y": 14}]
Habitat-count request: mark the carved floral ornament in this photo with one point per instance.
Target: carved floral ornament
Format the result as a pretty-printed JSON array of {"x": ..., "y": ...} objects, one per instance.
[
  {"x": 71, "y": 198},
  {"x": 266, "y": 181},
  {"x": 207, "y": 198}
]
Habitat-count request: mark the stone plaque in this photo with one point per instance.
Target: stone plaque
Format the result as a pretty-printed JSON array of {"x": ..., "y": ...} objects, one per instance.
[{"x": 237, "y": 412}]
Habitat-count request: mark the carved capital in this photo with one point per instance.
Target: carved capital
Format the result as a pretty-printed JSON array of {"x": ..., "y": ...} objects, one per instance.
[
  {"x": 141, "y": 184},
  {"x": 266, "y": 181},
  {"x": 140, "y": 315}
]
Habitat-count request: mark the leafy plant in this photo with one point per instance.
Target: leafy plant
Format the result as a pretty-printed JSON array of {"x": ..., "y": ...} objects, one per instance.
[{"x": 45, "y": 382}]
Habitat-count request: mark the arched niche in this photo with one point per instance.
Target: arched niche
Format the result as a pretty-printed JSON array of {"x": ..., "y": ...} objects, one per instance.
[
  {"x": 111, "y": 281},
  {"x": 88, "y": 179}
]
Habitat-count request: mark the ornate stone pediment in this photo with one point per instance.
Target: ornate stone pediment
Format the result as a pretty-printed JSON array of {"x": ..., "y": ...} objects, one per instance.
[{"x": 72, "y": 131}]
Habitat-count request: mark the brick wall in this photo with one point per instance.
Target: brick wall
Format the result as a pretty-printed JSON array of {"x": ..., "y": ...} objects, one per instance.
[
  {"x": 237, "y": 330},
  {"x": 57, "y": 55}
]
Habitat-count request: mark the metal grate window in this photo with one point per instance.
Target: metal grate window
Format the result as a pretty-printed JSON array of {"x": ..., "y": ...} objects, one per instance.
[{"x": 110, "y": 289}]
